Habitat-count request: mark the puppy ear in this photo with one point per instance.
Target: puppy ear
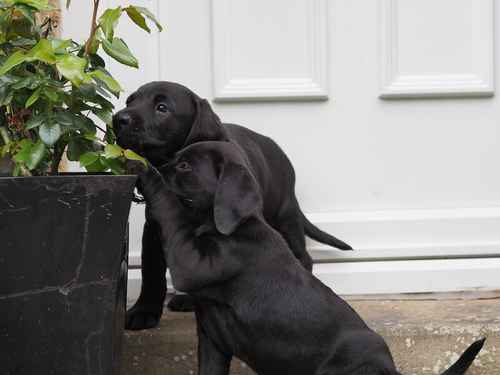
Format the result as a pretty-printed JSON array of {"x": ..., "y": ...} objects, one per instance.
[
  {"x": 237, "y": 197},
  {"x": 206, "y": 126}
]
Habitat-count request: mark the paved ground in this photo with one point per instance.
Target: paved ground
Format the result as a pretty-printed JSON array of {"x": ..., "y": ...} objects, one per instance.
[{"x": 425, "y": 336}]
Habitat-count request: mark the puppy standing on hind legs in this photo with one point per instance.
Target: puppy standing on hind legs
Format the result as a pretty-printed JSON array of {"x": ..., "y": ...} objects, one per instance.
[
  {"x": 163, "y": 117},
  {"x": 253, "y": 299}
]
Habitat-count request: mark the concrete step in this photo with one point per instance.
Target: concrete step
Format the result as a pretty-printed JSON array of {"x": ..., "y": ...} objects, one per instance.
[{"x": 425, "y": 335}]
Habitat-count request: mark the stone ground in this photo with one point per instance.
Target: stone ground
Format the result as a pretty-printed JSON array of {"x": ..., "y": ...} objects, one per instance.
[{"x": 425, "y": 336}]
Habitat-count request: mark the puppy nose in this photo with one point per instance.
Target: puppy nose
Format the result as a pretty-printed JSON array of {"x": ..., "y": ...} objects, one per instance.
[{"x": 121, "y": 120}]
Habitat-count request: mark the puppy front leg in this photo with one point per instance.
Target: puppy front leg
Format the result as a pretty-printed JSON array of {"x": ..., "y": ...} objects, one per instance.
[
  {"x": 148, "y": 309},
  {"x": 211, "y": 361},
  {"x": 193, "y": 262}
]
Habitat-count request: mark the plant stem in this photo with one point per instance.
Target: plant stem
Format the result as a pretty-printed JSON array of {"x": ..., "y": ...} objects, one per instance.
[
  {"x": 93, "y": 28},
  {"x": 25, "y": 171},
  {"x": 49, "y": 28},
  {"x": 56, "y": 159},
  {"x": 4, "y": 133}
]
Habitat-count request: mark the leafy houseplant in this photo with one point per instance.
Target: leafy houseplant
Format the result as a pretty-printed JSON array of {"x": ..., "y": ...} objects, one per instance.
[
  {"x": 53, "y": 91},
  {"x": 63, "y": 252}
]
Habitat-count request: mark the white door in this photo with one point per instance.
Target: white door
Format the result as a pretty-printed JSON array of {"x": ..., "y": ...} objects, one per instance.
[{"x": 386, "y": 108}]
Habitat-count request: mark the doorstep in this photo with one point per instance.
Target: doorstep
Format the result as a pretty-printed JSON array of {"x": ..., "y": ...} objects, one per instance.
[{"x": 425, "y": 333}]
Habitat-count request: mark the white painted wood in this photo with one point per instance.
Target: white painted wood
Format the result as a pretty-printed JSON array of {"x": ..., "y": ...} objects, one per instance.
[
  {"x": 269, "y": 50},
  {"x": 446, "y": 275},
  {"x": 136, "y": 223},
  {"x": 146, "y": 47},
  {"x": 133, "y": 285},
  {"x": 403, "y": 234},
  {"x": 395, "y": 234},
  {"x": 400, "y": 179},
  {"x": 436, "y": 48}
]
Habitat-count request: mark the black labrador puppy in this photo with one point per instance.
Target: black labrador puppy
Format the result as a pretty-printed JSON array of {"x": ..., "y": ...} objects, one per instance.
[
  {"x": 163, "y": 117},
  {"x": 253, "y": 299}
]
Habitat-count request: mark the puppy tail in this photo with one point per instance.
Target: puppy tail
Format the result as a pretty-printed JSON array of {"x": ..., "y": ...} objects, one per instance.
[
  {"x": 466, "y": 359},
  {"x": 317, "y": 234}
]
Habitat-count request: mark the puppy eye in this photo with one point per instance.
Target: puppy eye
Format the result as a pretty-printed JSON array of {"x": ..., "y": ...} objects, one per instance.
[
  {"x": 183, "y": 166},
  {"x": 162, "y": 108}
]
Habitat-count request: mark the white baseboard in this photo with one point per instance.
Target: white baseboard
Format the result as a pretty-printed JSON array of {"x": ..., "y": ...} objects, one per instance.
[
  {"x": 393, "y": 277},
  {"x": 413, "y": 276},
  {"x": 403, "y": 234},
  {"x": 411, "y": 234},
  {"x": 402, "y": 251}
]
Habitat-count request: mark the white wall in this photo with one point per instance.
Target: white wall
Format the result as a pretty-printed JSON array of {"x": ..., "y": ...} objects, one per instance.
[{"x": 402, "y": 158}]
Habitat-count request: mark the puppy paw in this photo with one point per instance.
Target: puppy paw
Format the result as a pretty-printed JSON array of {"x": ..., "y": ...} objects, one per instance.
[
  {"x": 140, "y": 317},
  {"x": 181, "y": 303}
]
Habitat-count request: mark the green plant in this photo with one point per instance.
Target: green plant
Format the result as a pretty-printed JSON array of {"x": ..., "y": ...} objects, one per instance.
[{"x": 55, "y": 93}]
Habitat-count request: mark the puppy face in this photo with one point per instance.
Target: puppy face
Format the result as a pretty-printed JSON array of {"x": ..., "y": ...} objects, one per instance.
[
  {"x": 156, "y": 121},
  {"x": 193, "y": 175},
  {"x": 213, "y": 178},
  {"x": 163, "y": 117}
]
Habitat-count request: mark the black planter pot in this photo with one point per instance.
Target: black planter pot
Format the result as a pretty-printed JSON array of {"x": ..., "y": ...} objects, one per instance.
[{"x": 63, "y": 273}]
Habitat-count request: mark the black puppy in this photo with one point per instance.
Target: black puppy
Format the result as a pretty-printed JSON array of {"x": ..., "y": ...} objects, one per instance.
[
  {"x": 163, "y": 117},
  {"x": 253, "y": 299}
]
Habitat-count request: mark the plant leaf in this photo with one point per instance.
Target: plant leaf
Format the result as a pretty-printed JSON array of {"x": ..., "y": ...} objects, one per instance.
[
  {"x": 23, "y": 42},
  {"x": 33, "y": 98},
  {"x": 30, "y": 154},
  {"x": 104, "y": 115},
  {"x": 42, "y": 51},
  {"x": 77, "y": 147},
  {"x": 6, "y": 95},
  {"x": 96, "y": 166},
  {"x": 97, "y": 61},
  {"x": 72, "y": 121},
  {"x": 50, "y": 133},
  {"x": 110, "y": 136},
  {"x": 146, "y": 12},
  {"x": 117, "y": 166},
  {"x": 118, "y": 50},
  {"x": 51, "y": 94},
  {"x": 103, "y": 102},
  {"x": 27, "y": 12},
  {"x": 23, "y": 154},
  {"x": 109, "y": 20},
  {"x": 37, "y": 4},
  {"x": 37, "y": 154},
  {"x": 31, "y": 82},
  {"x": 137, "y": 18},
  {"x": 88, "y": 90},
  {"x": 15, "y": 59},
  {"x": 88, "y": 158},
  {"x": 131, "y": 155},
  {"x": 17, "y": 171},
  {"x": 66, "y": 119},
  {"x": 34, "y": 122},
  {"x": 109, "y": 81},
  {"x": 68, "y": 4},
  {"x": 90, "y": 137},
  {"x": 60, "y": 45},
  {"x": 73, "y": 69},
  {"x": 112, "y": 151},
  {"x": 85, "y": 124}
]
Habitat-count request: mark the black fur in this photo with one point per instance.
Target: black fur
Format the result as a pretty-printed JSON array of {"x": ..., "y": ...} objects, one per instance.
[
  {"x": 163, "y": 117},
  {"x": 253, "y": 299}
]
